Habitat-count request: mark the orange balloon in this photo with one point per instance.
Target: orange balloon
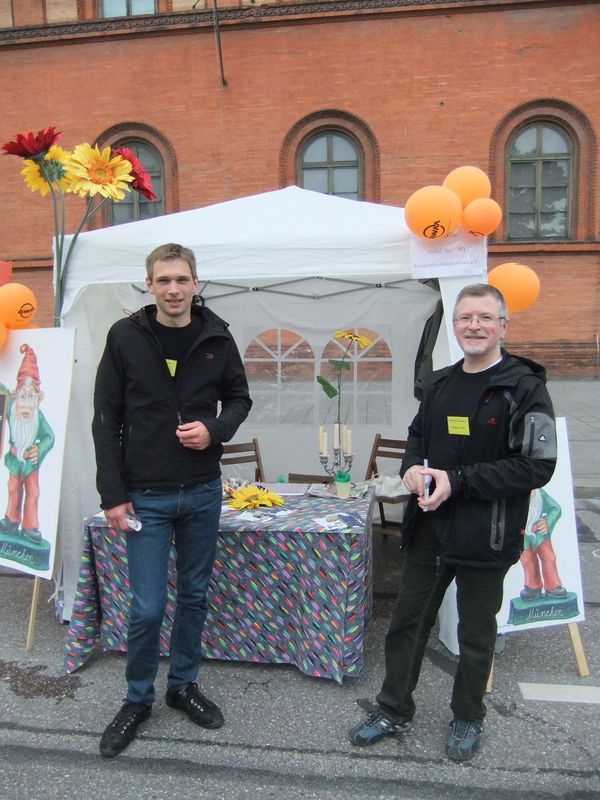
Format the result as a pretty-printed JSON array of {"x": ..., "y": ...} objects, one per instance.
[
  {"x": 519, "y": 285},
  {"x": 3, "y": 334},
  {"x": 432, "y": 212},
  {"x": 468, "y": 183},
  {"x": 17, "y": 304},
  {"x": 482, "y": 216}
]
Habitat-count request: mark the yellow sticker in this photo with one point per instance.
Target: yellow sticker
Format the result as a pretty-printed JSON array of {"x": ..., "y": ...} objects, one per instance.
[
  {"x": 458, "y": 426},
  {"x": 171, "y": 365}
]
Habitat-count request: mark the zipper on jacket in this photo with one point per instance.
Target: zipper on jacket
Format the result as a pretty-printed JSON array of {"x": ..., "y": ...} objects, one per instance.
[
  {"x": 179, "y": 420},
  {"x": 438, "y": 562},
  {"x": 531, "y": 434}
]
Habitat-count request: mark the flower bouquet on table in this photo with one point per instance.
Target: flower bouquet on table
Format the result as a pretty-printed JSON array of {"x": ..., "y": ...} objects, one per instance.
[
  {"x": 342, "y": 435},
  {"x": 253, "y": 496},
  {"x": 99, "y": 175}
]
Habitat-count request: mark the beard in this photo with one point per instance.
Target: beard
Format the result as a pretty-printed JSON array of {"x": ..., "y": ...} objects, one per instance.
[{"x": 22, "y": 432}]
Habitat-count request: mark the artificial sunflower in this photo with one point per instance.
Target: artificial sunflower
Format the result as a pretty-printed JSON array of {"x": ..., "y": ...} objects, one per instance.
[
  {"x": 52, "y": 169},
  {"x": 339, "y": 365},
  {"x": 141, "y": 179},
  {"x": 98, "y": 172},
  {"x": 361, "y": 341},
  {"x": 254, "y": 496}
]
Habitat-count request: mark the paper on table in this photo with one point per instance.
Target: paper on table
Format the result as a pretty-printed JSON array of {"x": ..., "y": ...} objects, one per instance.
[{"x": 286, "y": 488}]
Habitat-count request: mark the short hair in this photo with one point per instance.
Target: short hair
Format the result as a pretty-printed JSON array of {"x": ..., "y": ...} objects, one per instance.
[
  {"x": 482, "y": 290},
  {"x": 169, "y": 252}
]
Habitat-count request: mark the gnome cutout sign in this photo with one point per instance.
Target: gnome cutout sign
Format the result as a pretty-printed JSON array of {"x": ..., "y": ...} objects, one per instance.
[{"x": 30, "y": 441}]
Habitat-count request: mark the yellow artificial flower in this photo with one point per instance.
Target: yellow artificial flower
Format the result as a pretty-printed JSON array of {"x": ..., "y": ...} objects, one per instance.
[
  {"x": 361, "y": 341},
  {"x": 253, "y": 497},
  {"x": 93, "y": 172},
  {"x": 55, "y": 166}
]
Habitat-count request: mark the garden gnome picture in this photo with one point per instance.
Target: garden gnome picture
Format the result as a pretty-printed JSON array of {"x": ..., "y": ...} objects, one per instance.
[
  {"x": 538, "y": 558},
  {"x": 543, "y": 596},
  {"x": 30, "y": 441}
]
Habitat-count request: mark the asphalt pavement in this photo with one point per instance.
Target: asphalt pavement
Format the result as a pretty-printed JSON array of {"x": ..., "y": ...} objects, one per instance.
[{"x": 286, "y": 734}]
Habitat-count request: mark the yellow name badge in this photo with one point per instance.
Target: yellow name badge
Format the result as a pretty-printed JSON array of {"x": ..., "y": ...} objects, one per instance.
[
  {"x": 458, "y": 426},
  {"x": 172, "y": 366}
]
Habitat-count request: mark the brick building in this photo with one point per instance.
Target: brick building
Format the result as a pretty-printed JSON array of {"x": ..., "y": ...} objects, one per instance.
[{"x": 367, "y": 98}]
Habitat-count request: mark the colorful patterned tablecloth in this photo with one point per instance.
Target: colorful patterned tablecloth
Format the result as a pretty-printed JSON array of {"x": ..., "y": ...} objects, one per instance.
[{"x": 291, "y": 588}]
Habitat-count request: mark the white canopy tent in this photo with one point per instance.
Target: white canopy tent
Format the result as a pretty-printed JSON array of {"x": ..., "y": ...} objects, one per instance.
[{"x": 288, "y": 260}]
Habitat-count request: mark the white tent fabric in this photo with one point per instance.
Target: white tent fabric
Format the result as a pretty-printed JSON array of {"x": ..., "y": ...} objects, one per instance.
[{"x": 292, "y": 259}]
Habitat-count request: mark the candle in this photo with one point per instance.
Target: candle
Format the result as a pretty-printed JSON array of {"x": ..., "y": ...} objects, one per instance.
[
  {"x": 343, "y": 431},
  {"x": 321, "y": 448},
  {"x": 349, "y": 442},
  {"x": 336, "y": 436},
  {"x": 324, "y": 450}
]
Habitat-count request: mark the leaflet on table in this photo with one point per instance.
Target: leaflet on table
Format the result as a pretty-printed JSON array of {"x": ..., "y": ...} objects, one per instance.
[
  {"x": 340, "y": 519},
  {"x": 328, "y": 490},
  {"x": 263, "y": 514}
]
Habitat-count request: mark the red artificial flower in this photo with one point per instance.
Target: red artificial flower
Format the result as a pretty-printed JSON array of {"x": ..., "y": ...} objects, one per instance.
[
  {"x": 141, "y": 179},
  {"x": 30, "y": 145}
]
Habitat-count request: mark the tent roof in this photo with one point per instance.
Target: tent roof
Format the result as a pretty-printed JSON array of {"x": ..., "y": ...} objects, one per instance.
[{"x": 287, "y": 233}]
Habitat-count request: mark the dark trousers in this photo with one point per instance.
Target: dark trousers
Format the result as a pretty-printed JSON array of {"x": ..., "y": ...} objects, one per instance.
[{"x": 422, "y": 587}]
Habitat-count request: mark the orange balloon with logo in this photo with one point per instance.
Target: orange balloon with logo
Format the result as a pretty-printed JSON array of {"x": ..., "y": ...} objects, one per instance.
[
  {"x": 482, "y": 216},
  {"x": 468, "y": 183},
  {"x": 433, "y": 212},
  {"x": 520, "y": 285},
  {"x": 17, "y": 304}
]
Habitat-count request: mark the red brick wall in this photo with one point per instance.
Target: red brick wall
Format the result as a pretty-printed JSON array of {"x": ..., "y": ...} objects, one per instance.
[{"x": 431, "y": 86}]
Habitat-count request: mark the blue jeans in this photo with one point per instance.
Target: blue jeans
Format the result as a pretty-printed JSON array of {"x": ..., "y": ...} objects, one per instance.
[{"x": 190, "y": 518}]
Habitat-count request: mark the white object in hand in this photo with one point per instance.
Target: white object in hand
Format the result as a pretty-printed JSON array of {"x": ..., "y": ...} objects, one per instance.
[
  {"x": 134, "y": 523},
  {"x": 426, "y": 480}
]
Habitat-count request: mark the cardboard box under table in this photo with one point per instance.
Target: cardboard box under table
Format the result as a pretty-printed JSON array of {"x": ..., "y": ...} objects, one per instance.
[{"x": 291, "y": 588}]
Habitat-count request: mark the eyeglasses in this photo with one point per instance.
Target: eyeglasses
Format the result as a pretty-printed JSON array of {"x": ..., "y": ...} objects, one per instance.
[{"x": 481, "y": 319}]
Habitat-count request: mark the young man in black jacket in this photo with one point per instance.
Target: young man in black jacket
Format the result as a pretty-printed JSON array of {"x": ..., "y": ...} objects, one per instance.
[
  {"x": 158, "y": 430},
  {"x": 485, "y": 428}
]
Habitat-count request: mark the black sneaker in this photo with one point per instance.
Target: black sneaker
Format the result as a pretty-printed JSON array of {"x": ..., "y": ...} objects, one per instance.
[
  {"x": 121, "y": 731},
  {"x": 376, "y": 727},
  {"x": 199, "y": 708},
  {"x": 463, "y": 740}
]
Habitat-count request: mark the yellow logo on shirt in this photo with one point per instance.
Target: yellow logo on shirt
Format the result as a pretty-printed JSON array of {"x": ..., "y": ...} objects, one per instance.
[
  {"x": 171, "y": 366},
  {"x": 458, "y": 426}
]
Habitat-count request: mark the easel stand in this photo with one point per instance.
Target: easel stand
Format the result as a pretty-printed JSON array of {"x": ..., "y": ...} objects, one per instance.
[
  {"x": 580, "y": 659},
  {"x": 32, "y": 614}
]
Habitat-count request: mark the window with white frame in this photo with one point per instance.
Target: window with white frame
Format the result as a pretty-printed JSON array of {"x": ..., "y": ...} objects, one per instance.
[{"x": 126, "y": 8}]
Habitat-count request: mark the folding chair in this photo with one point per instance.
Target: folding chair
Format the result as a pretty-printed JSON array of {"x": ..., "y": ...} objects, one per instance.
[
  {"x": 244, "y": 453},
  {"x": 382, "y": 449}
]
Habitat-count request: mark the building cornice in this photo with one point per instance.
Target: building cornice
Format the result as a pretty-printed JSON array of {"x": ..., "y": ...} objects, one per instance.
[{"x": 253, "y": 15}]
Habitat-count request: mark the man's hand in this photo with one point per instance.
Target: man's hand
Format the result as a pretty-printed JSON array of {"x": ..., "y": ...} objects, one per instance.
[
  {"x": 442, "y": 489},
  {"x": 413, "y": 479},
  {"x": 194, "y": 435},
  {"x": 117, "y": 516}
]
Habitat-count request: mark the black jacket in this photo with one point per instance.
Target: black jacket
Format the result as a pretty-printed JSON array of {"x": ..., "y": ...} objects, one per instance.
[
  {"x": 511, "y": 450},
  {"x": 137, "y": 406}
]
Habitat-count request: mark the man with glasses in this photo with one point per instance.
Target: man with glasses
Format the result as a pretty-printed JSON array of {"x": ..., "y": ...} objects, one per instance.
[{"x": 482, "y": 440}]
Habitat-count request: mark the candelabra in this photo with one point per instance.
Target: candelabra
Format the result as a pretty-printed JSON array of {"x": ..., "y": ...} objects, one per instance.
[
  {"x": 342, "y": 450},
  {"x": 335, "y": 467}
]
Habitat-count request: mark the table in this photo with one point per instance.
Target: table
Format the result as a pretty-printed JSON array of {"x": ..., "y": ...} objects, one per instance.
[{"x": 293, "y": 588}]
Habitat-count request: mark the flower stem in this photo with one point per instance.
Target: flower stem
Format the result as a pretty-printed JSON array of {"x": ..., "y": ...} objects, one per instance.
[{"x": 89, "y": 213}]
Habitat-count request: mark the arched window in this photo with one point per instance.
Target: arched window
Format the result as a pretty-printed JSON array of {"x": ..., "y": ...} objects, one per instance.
[
  {"x": 134, "y": 205},
  {"x": 329, "y": 162},
  {"x": 280, "y": 367},
  {"x": 542, "y": 165},
  {"x": 332, "y": 152},
  {"x": 538, "y": 183},
  {"x": 366, "y": 396}
]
